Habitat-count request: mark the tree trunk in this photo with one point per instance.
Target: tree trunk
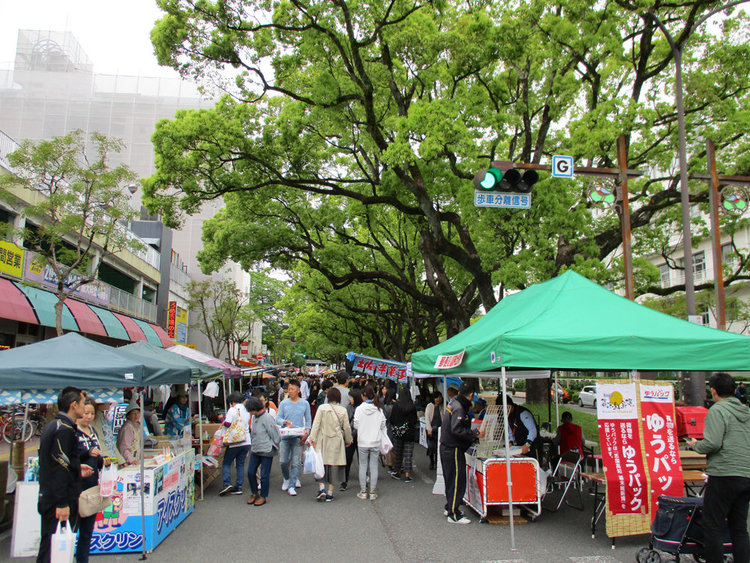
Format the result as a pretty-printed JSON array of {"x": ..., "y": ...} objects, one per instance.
[
  {"x": 536, "y": 391},
  {"x": 58, "y": 314}
]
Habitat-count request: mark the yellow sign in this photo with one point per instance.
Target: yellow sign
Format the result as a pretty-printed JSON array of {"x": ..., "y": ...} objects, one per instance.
[{"x": 11, "y": 259}]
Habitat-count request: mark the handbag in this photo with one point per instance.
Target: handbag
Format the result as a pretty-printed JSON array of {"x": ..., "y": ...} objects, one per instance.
[
  {"x": 91, "y": 502},
  {"x": 62, "y": 544},
  {"x": 237, "y": 432},
  {"x": 310, "y": 464}
]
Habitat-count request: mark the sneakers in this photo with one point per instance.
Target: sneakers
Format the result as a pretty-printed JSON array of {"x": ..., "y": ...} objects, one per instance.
[
  {"x": 297, "y": 484},
  {"x": 396, "y": 475},
  {"x": 445, "y": 513},
  {"x": 236, "y": 491},
  {"x": 292, "y": 492},
  {"x": 373, "y": 495},
  {"x": 226, "y": 490},
  {"x": 321, "y": 495},
  {"x": 362, "y": 495},
  {"x": 343, "y": 486},
  {"x": 329, "y": 497},
  {"x": 408, "y": 479},
  {"x": 285, "y": 485},
  {"x": 463, "y": 520}
]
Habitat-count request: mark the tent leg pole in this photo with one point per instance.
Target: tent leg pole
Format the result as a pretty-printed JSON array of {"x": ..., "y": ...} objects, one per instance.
[
  {"x": 557, "y": 403},
  {"x": 200, "y": 433},
  {"x": 507, "y": 463},
  {"x": 224, "y": 381},
  {"x": 143, "y": 475}
]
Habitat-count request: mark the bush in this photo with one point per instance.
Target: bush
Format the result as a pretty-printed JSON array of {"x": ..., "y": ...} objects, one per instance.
[{"x": 519, "y": 384}]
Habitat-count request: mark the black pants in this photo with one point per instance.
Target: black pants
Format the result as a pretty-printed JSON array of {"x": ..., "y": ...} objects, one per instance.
[
  {"x": 350, "y": 451},
  {"x": 49, "y": 526},
  {"x": 85, "y": 531},
  {"x": 726, "y": 498},
  {"x": 454, "y": 474}
]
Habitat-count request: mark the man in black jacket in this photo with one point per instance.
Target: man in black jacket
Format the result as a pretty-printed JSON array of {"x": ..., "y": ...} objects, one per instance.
[
  {"x": 456, "y": 437},
  {"x": 60, "y": 469}
]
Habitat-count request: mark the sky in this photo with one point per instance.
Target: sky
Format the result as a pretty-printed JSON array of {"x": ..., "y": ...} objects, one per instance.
[{"x": 115, "y": 34}]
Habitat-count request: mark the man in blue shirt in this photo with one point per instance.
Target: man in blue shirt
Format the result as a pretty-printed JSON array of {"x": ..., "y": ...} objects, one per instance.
[{"x": 293, "y": 413}]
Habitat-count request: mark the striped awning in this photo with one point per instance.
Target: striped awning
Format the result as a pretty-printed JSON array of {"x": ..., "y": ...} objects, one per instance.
[
  {"x": 111, "y": 323},
  {"x": 149, "y": 332},
  {"x": 134, "y": 331},
  {"x": 14, "y": 305},
  {"x": 87, "y": 320},
  {"x": 163, "y": 336},
  {"x": 44, "y": 306}
]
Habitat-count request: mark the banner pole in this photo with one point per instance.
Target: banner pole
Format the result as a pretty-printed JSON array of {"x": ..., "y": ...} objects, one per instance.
[{"x": 507, "y": 463}]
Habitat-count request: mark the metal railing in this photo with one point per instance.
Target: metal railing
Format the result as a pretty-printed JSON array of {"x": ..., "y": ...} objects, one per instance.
[
  {"x": 7, "y": 146},
  {"x": 124, "y": 302}
]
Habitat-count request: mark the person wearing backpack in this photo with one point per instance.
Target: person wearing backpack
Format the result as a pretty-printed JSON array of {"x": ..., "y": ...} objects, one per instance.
[
  {"x": 330, "y": 435},
  {"x": 237, "y": 420}
]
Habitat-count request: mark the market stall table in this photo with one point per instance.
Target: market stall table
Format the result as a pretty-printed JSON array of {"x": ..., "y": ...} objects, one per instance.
[{"x": 689, "y": 476}]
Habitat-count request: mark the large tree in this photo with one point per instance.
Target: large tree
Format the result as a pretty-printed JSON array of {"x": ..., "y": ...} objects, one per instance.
[
  {"x": 81, "y": 210},
  {"x": 351, "y": 121}
]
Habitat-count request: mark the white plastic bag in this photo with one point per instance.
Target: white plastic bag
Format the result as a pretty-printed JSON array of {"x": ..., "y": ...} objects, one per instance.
[
  {"x": 310, "y": 464},
  {"x": 107, "y": 480},
  {"x": 62, "y": 544},
  {"x": 385, "y": 443},
  {"x": 320, "y": 469}
]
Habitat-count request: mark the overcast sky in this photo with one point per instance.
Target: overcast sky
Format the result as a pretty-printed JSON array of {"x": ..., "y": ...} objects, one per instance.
[{"x": 114, "y": 33}]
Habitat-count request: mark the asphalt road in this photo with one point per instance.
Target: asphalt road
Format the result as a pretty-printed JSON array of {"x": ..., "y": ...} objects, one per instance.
[{"x": 405, "y": 524}]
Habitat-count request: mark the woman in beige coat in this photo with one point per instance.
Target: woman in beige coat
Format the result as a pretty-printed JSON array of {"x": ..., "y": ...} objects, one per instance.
[{"x": 330, "y": 435}]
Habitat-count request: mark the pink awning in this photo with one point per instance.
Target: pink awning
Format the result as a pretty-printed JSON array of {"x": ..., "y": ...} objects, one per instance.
[
  {"x": 228, "y": 369},
  {"x": 134, "y": 331},
  {"x": 87, "y": 320},
  {"x": 163, "y": 336},
  {"x": 14, "y": 305}
]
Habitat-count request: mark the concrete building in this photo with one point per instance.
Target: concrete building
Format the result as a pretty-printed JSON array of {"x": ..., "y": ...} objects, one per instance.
[{"x": 51, "y": 89}]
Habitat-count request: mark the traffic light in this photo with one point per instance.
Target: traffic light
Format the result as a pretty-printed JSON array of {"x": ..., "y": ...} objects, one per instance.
[{"x": 502, "y": 176}]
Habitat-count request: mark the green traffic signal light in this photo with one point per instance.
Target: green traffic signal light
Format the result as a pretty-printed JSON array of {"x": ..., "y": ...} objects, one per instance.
[{"x": 492, "y": 179}]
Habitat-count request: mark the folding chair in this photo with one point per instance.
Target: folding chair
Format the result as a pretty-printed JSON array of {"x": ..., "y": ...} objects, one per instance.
[{"x": 567, "y": 475}]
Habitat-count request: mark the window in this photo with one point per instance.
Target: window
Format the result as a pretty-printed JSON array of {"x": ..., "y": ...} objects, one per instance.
[
  {"x": 728, "y": 256},
  {"x": 665, "y": 274},
  {"x": 705, "y": 318},
  {"x": 699, "y": 266}
]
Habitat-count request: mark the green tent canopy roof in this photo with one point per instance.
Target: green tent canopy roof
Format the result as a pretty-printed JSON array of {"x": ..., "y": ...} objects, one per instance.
[
  {"x": 73, "y": 359},
  {"x": 149, "y": 351},
  {"x": 569, "y": 322}
]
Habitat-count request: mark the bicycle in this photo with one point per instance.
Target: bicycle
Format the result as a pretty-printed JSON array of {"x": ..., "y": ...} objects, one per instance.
[{"x": 12, "y": 427}]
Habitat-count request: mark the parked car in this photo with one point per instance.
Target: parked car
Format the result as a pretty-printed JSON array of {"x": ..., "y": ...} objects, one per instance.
[
  {"x": 558, "y": 389},
  {"x": 587, "y": 396}
]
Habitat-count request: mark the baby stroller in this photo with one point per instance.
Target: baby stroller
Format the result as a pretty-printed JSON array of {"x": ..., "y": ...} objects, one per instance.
[{"x": 677, "y": 530}]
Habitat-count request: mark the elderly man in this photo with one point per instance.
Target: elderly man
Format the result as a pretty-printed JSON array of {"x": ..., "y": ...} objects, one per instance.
[{"x": 726, "y": 443}]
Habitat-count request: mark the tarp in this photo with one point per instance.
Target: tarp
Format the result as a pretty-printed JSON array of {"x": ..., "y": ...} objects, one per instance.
[
  {"x": 150, "y": 352},
  {"x": 72, "y": 359},
  {"x": 228, "y": 369},
  {"x": 569, "y": 322}
]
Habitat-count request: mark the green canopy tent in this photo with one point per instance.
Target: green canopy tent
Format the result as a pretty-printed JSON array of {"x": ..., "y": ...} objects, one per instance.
[
  {"x": 569, "y": 322},
  {"x": 73, "y": 359},
  {"x": 572, "y": 323},
  {"x": 199, "y": 371}
]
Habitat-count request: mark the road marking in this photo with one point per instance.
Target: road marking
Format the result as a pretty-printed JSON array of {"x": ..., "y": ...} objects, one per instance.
[{"x": 595, "y": 559}]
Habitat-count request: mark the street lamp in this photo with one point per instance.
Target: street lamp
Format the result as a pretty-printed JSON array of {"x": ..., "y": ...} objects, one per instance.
[
  {"x": 695, "y": 388},
  {"x": 679, "y": 102}
]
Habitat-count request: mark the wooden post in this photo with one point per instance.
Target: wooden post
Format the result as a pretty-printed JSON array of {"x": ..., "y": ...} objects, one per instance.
[
  {"x": 627, "y": 253},
  {"x": 713, "y": 192}
]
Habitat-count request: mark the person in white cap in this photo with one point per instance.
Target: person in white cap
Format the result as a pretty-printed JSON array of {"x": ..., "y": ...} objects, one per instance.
[{"x": 128, "y": 443}]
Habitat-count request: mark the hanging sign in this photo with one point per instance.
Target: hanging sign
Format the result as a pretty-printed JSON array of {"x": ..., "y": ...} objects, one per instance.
[{"x": 449, "y": 362}]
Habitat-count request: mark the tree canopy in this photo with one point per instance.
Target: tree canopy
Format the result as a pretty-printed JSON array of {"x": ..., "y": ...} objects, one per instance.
[{"x": 346, "y": 147}]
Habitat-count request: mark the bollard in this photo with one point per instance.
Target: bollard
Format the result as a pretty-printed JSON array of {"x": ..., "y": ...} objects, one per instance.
[{"x": 18, "y": 458}]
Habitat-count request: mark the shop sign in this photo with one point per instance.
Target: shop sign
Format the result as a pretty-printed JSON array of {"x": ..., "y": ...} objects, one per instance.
[
  {"x": 177, "y": 319},
  {"x": 43, "y": 274},
  {"x": 172, "y": 319},
  {"x": 395, "y": 371},
  {"x": 11, "y": 259}
]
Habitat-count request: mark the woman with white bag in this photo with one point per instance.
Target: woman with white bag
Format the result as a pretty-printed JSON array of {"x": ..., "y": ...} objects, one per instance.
[
  {"x": 237, "y": 440},
  {"x": 369, "y": 421},
  {"x": 90, "y": 452},
  {"x": 330, "y": 435}
]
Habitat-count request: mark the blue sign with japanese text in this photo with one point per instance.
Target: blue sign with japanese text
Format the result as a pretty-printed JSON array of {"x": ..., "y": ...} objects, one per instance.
[{"x": 507, "y": 200}]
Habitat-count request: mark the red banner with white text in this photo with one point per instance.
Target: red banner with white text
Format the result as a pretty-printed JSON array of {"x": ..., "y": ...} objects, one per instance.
[{"x": 660, "y": 437}]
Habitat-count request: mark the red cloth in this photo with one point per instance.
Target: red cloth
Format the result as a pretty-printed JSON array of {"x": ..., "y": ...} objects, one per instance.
[{"x": 571, "y": 437}]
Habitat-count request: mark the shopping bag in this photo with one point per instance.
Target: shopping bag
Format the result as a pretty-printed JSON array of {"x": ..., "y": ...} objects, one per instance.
[
  {"x": 236, "y": 433},
  {"x": 310, "y": 463},
  {"x": 385, "y": 443},
  {"x": 62, "y": 544},
  {"x": 320, "y": 469},
  {"x": 214, "y": 450},
  {"x": 107, "y": 480},
  {"x": 91, "y": 502}
]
